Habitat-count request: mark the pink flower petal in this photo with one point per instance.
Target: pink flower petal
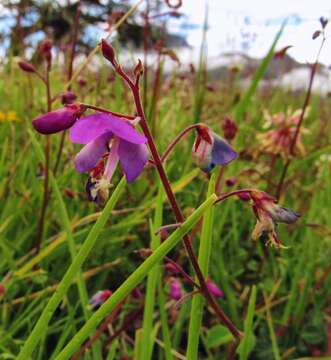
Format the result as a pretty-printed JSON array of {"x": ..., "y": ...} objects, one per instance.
[{"x": 90, "y": 127}]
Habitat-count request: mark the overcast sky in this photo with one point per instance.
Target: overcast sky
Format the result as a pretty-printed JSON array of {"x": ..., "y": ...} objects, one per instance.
[{"x": 250, "y": 26}]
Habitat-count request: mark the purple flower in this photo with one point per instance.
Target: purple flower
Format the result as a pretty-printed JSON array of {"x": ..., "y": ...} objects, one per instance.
[
  {"x": 175, "y": 291},
  {"x": 210, "y": 150},
  {"x": 58, "y": 120},
  {"x": 214, "y": 289},
  {"x": 103, "y": 133}
]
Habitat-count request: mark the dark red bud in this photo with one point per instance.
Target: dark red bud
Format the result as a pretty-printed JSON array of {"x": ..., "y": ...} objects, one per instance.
[
  {"x": 82, "y": 81},
  {"x": 316, "y": 34},
  {"x": 108, "y": 51},
  {"x": 244, "y": 196},
  {"x": 68, "y": 97},
  {"x": 230, "y": 129},
  {"x": 230, "y": 181},
  {"x": 139, "y": 69},
  {"x": 27, "y": 67},
  {"x": 2, "y": 289}
]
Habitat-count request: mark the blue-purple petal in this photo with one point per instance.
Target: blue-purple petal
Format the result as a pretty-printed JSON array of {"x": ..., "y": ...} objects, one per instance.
[
  {"x": 284, "y": 215},
  {"x": 90, "y": 127},
  {"x": 222, "y": 152},
  {"x": 133, "y": 158},
  {"x": 91, "y": 153}
]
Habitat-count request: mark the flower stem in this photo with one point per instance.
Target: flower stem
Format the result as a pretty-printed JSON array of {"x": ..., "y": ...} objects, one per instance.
[
  {"x": 299, "y": 124},
  {"x": 174, "y": 204},
  {"x": 41, "y": 222}
]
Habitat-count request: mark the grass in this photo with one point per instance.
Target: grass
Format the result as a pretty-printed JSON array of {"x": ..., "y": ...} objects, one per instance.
[{"x": 278, "y": 298}]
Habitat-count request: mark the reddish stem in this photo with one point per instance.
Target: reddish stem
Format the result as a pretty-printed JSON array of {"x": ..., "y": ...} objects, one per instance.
[
  {"x": 173, "y": 201},
  {"x": 302, "y": 114},
  {"x": 176, "y": 140},
  {"x": 97, "y": 108},
  {"x": 41, "y": 222}
]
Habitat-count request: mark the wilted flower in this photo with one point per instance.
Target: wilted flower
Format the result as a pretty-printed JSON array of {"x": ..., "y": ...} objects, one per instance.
[
  {"x": 210, "y": 150},
  {"x": 214, "y": 289},
  {"x": 99, "y": 298},
  {"x": 102, "y": 134},
  {"x": 58, "y": 120},
  {"x": 268, "y": 213},
  {"x": 175, "y": 290},
  {"x": 278, "y": 140}
]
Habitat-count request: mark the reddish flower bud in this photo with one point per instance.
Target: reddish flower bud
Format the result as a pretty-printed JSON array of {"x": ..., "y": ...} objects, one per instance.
[
  {"x": 27, "y": 67},
  {"x": 2, "y": 289},
  {"x": 175, "y": 290},
  {"x": 171, "y": 268},
  {"x": 68, "y": 97},
  {"x": 244, "y": 196},
  {"x": 108, "y": 51},
  {"x": 229, "y": 129},
  {"x": 230, "y": 181},
  {"x": 58, "y": 120},
  {"x": 214, "y": 289},
  {"x": 136, "y": 293},
  {"x": 82, "y": 81},
  {"x": 99, "y": 298},
  {"x": 139, "y": 69}
]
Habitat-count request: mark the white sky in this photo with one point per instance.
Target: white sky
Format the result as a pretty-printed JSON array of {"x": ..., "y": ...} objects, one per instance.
[{"x": 227, "y": 26}]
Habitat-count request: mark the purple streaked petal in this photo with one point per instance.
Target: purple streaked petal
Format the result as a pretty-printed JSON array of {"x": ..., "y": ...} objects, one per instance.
[
  {"x": 92, "y": 126},
  {"x": 284, "y": 215},
  {"x": 133, "y": 158},
  {"x": 90, "y": 154},
  {"x": 55, "y": 121},
  {"x": 222, "y": 152}
]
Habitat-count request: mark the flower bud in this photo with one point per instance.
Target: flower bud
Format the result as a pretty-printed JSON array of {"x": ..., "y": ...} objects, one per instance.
[
  {"x": 108, "y": 51},
  {"x": 68, "y": 97},
  {"x": 139, "y": 69},
  {"x": 58, "y": 120},
  {"x": 171, "y": 268},
  {"x": 231, "y": 181},
  {"x": 136, "y": 293},
  {"x": 214, "y": 289},
  {"x": 230, "y": 129},
  {"x": 175, "y": 291},
  {"x": 27, "y": 67},
  {"x": 99, "y": 298}
]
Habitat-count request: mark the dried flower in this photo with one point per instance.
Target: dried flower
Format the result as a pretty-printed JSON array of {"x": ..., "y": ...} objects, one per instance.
[
  {"x": 210, "y": 150},
  {"x": 268, "y": 213},
  {"x": 278, "y": 140},
  {"x": 58, "y": 120}
]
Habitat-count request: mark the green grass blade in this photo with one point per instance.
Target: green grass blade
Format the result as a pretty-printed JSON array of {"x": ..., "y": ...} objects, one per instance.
[
  {"x": 198, "y": 301},
  {"x": 147, "y": 339},
  {"x": 71, "y": 273},
  {"x": 134, "y": 279},
  {"x": 247, "y": 343}
]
